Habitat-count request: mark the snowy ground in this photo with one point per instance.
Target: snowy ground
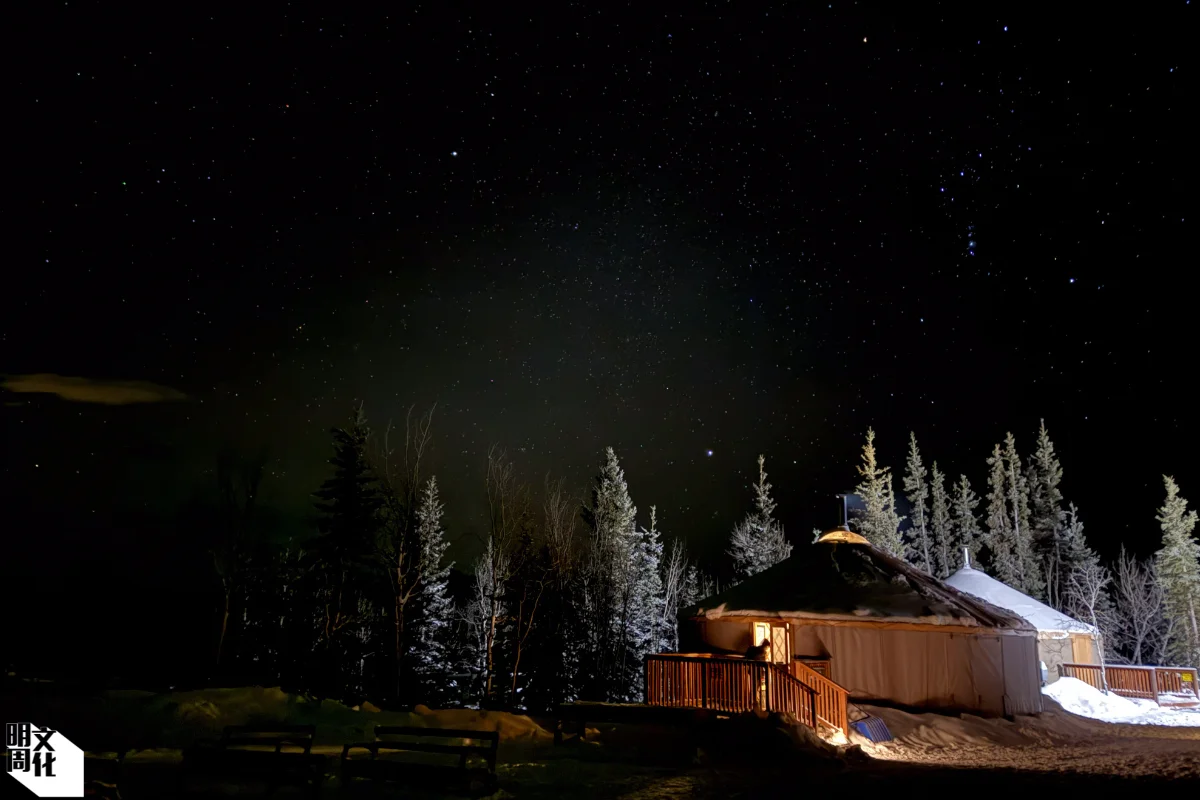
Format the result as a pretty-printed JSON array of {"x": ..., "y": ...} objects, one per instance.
[
  {"x": 1082, "y": 731},
  {"x": 1083, "y": 699},
  {"x": 955, "y": 753}
]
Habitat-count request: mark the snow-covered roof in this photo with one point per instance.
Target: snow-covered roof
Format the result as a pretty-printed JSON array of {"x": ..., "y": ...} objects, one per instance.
[
  {"x": 852, "y": 581},
  {"x": 1040, "y": 615}
]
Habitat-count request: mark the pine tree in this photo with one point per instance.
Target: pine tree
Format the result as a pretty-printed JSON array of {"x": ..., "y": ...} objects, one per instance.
[
  {"x": 916, "y": 490},
  {"x": 432, "y": 621},
  {"x": 878, "y": 520},
  {"x": 758, "y": 541},
  {"x": 610, "y": 585},
  {"x": 940, "y": 526},
  {"x": 1032, "y": 579},
  {"x": 348, "y": 503},
  {"x": 1005, "y": 564},
  {"x": 1178, "y": 568},
  {"x": 646, "y": 604},
  {"x": 1044, "y": 475},
  {"x": 689, "y": 592},
  {"x": 966, "y": 527}
]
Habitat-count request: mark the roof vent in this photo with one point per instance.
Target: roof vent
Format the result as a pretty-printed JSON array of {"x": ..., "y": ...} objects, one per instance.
[{"x": 842, "y": 534}]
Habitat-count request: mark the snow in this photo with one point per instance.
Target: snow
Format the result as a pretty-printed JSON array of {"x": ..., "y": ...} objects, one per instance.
[
  {"x": 176, "y": 719},
  {"x": 1083, "y": 699},
  {"x": 653, "y": 762},
  {"x": 1055, "y": 741},
  {"x": 1041, "y": 616}
]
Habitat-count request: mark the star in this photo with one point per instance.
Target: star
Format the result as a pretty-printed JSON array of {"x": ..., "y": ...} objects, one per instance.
[{"x": 710, "y": 452}]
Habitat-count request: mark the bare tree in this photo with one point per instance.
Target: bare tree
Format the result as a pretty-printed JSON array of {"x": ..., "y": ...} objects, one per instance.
[
  {"x": 1086, "y": 593},
  {"x": 237, "y": 483},
  {"x": 400, "y": 548},
  {"x": 560, "y": 510},
  {"x": 674, "y": 573},
  {"x": 508, "y": 518},
  {"x": 1141, "y": 626},
  {"x": 531, "y": 575}
]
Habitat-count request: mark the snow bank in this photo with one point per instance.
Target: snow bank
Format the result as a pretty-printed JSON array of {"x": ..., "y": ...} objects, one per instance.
[
  {"x": 1083, "y": 699},
  {"x": 177, "y": 719}
]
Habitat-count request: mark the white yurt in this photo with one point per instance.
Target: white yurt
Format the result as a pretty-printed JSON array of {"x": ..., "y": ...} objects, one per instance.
[{"x": 1061, "y": 638}]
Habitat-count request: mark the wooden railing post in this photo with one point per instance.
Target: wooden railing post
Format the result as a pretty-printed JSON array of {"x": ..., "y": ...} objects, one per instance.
[
  {"x": 704, "y": 685},
  {"x": 1154, "y": 683}
]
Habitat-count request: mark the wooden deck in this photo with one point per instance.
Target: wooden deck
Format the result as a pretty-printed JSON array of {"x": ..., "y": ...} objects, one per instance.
[
  {"x": 1167, "y": 686},
  {"x": 738, "y": 685}
]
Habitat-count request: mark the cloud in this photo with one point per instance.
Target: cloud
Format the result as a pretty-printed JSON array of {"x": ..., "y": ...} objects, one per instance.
[{"x": 88, "y": 390}]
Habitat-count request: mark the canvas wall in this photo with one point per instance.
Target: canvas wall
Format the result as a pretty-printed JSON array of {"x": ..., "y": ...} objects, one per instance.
[{"x": 916, "y": 668}]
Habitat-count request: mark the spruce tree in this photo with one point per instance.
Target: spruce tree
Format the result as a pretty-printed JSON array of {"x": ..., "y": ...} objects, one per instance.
[
  {"x": 1044, "y": 475},
  {"x": 646, "y": 603},
  {"x": 877, "y": 521},
  {"x": 758, "y": 541},
  {"x": 966, "y": 527},
  {"x": 1032, "y": 579},
  {"x": 348, "y": 524},
  {"x": 921, "y": 550},
  {"x": 689, "y": 592},
  {"x": 1005, "y": 564},
  {"x": 1178, "y": 568},
  {"x": 432, "y": 622},
  {"x": 609, "y": 584},
  {"x": 941, "y": 528}
]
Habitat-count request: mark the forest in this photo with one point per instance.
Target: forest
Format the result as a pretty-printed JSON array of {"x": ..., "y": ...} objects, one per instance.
[{"x": 570, "y": 593}]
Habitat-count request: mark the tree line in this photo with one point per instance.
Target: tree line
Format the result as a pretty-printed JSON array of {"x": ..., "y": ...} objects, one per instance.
[
  {"x": 569, "y": 596},
  {"x": 564, "y": 603},
  {"x": 1027, "y": 536}
]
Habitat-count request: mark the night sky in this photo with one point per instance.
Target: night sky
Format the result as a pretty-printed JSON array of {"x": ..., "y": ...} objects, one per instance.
[{"x": 739, "y": 229}]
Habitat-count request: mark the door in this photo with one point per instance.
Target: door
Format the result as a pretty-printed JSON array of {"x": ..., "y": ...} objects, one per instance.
[
  {"x": 762, "y": 633},
  {"x": 781, "y": 651},
  {"x": 1083, "y": 649},
  {"x": 779, "y": 648}
]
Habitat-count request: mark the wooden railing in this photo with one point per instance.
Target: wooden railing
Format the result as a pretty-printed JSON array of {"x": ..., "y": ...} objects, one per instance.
[
  {"x": 831, "y": 698},
  {"x": 1167, "y": 686},
  {"x": 821, "y": 666},
  {"x": 734, "y": 685},
  {"x": 1179, "y": 682}
]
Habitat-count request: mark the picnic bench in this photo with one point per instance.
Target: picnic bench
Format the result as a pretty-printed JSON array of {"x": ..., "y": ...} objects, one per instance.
[
  {"x": 102, "y": 775},
  {"x": 257, "y": 753},
  {"x": 384, "y": 759}
]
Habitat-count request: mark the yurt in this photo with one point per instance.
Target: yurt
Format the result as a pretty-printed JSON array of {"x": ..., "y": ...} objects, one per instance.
[
  {"x": 882, "y": 629},
  {"x": 1060, "y": 638}
]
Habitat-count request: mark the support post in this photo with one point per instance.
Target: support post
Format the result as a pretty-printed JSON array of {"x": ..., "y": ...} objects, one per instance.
[{"x": 703, "y": 685}]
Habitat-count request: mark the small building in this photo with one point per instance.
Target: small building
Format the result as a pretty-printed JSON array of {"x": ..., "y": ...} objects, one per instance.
[
  {"x": 1060, "y": 639},
  {"x": 875, "y": 626}
]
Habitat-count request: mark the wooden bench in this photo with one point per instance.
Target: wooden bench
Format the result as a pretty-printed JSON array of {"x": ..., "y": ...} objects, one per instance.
[
  {"x": 256, "y": 753},
  {"x": 381, "y": 763},
  {"x": 102, "y": 775}
]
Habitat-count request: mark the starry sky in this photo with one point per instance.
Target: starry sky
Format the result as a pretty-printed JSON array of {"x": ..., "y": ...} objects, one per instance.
[{"x": 694, "y": 236}]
